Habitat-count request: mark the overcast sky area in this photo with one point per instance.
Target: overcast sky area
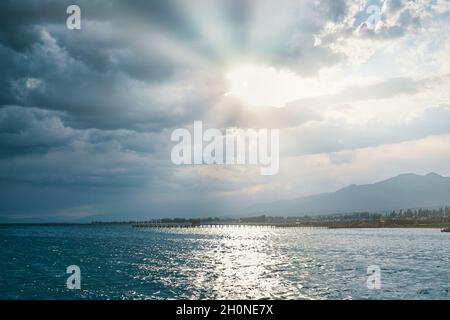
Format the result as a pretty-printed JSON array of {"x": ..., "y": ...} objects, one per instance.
[{"x": 86, "y": 115}]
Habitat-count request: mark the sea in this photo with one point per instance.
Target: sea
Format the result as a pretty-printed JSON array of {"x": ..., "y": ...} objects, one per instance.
[{"x": 121, "y": 262}]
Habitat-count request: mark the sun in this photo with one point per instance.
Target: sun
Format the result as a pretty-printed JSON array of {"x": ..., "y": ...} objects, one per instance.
[{"x": 266, "y": 85}]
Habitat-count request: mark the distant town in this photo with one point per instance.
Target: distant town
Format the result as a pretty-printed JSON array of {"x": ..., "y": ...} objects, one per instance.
[{"x": 404, "y": 218}]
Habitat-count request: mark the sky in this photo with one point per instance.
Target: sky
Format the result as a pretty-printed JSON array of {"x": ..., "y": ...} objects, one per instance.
[{"x": 86, "y": 115}]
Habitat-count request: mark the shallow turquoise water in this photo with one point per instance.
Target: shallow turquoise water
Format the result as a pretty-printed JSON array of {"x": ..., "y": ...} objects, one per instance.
[{"x": 119, "y": 262}]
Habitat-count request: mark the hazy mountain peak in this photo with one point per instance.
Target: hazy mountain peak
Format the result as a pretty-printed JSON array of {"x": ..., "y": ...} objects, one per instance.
[
  {"x": 407, "y": 190},
  {"x": 434, "y": 174}
]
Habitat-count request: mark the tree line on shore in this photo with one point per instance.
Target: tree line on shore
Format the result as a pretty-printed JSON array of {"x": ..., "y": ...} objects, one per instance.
[{"x": 402, "y": 217}]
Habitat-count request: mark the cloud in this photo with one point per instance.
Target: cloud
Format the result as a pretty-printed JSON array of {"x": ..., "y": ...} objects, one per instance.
[
  {"x": 340, "y": 135},
  {"x": 86, "y": 115},
  {"x": 319, "y": 173},
  {"x": 31, "y": 130}
]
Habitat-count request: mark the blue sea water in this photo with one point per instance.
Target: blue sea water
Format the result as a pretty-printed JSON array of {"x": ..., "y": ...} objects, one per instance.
[{"x": 119, "y": 262}]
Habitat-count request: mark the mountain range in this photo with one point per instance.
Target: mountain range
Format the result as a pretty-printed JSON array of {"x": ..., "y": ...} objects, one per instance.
[{"x": 400, "y": 192}]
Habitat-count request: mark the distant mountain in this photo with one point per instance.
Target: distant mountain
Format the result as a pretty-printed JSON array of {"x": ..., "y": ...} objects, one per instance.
[
  {"x": 403, "y": 191},
  {"x": 54, "y": 219}
]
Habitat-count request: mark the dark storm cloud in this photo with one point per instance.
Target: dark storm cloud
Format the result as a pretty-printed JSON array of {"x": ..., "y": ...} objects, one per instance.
[
  {"x": 89, "y": 72},
  {"x": 17, "y": 18},
  {"x": 49, "y": 170},
  {"x": 17, "y": 21},
  {"x": 26, "y": 130},
  {"x": 66, "y": 84},
  {"x": 32, "y": 130},
  {"x": 107, "y": 67}
]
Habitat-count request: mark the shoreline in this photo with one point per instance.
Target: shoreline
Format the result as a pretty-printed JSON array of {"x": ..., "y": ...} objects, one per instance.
[{"x": 262, "y": 225}]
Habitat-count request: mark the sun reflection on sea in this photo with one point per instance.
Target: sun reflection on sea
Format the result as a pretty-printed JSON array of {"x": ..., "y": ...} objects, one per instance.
[{"x": 242, "y": 264}]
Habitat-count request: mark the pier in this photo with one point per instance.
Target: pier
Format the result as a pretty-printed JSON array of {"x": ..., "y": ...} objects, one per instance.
[
  {"x": 195, "y": 224},
  {"x": 418, "y": 218}
]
